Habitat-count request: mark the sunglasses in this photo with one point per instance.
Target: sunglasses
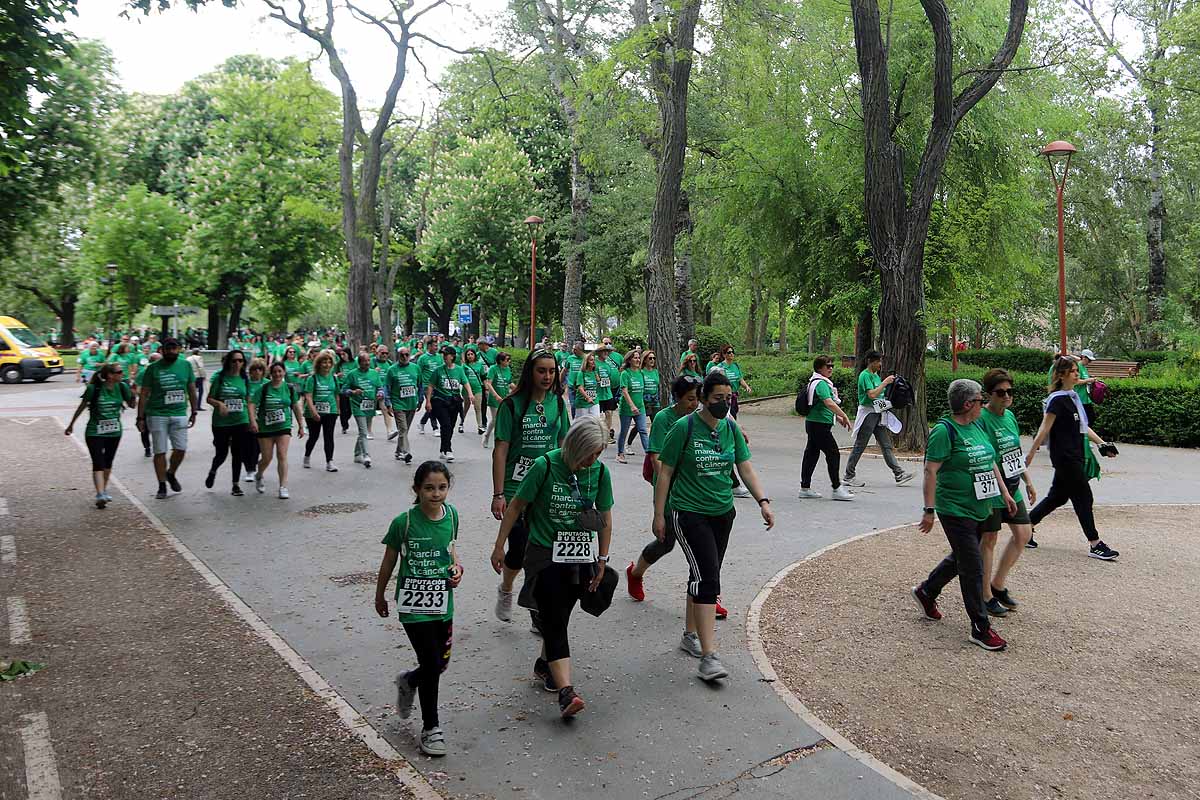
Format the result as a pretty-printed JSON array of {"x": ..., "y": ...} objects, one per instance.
[{"x": 1002, "y": 392}]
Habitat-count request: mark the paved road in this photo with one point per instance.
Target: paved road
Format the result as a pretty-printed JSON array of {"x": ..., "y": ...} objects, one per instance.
[{"x": 651, "y": 729}]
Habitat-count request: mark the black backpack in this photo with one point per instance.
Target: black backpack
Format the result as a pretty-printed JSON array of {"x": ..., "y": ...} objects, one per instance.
[
  {"x": 802, "y": 404},
  {"x": 900, "y": 393}
]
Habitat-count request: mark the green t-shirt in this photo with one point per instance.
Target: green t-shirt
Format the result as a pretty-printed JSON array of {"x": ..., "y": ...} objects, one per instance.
[
  {"x": 105, "y": 419},
  {"x": 971, "y": 454},
  {"x": 362, "y": 405},
  {"x": 425, "y": 561},
  {"x": 448, "y": 382},
  {"x": 558, "y": 509},
  {"x": 428, "y": 362},
  {"x": 234, "y": 392},
  {"x": 324, "y": 391},
  {"x": 500, "y": 378},
  {"x": 541, "y": 432},
  {"x": 589, "y": 381},
  {"x": 867, "y": 381},
  {"x": 273, "y": 407},
  {"x": 168, "y": 385},
  {"x": 702, "y": 464},
  {"x": 819, "y": 411},
  {"x": 631, "y": 380},
  {"x": 650, "y": 385},
  {"x": 1006, "y": 439},
  {"x": 402, "y": 386}
]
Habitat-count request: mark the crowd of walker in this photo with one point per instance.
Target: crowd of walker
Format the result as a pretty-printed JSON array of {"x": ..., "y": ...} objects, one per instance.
[{"x": 548, "y": 428}]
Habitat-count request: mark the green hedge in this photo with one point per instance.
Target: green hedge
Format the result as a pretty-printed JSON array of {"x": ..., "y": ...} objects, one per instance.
[{"x": 1013, "y": 359}]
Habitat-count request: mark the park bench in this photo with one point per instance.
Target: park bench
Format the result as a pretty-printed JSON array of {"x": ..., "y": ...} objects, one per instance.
[{"x": 1113, "y": 369}]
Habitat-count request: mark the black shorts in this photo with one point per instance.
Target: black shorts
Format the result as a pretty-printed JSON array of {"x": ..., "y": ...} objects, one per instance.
[
  {"x": 1001, "y": 517},
  {"x": 608, "y": 405}
]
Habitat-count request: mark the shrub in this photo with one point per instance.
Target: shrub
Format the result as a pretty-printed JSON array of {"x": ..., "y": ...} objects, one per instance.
[{"x": 1013, "y": 359}]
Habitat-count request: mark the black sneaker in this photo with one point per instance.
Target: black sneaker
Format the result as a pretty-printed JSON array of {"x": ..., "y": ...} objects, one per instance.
[
  {"x": 210, "y": 480},
  {"x": 174, "y": 482},
  {"x": 1103, "y": 552},
  {"x": 569, "y": 703},
  {"x": 1031, "y": 544},
  {"x": 541, "y": 671},
  {"x": 1004, "y": 597},
  {"x": 161, "y": 494},
  {"x": 236, "y": 491},
  {"x": 996, "y": 608}
]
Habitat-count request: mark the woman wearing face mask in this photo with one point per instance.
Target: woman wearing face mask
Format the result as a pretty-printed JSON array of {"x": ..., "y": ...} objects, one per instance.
[
  {"x": 693, "y": 476},
  {"x": 568, "y": 494},
  {"x": 686, "y": 391}
]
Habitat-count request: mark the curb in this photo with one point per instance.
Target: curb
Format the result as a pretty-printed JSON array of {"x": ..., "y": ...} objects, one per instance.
[
  {"x": 354, "y": 722},
  {"x": 758, "y": 652}
]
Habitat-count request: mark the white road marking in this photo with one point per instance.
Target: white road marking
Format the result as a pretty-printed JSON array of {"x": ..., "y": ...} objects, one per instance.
[
  {"x": 8, "y": 550},
  {"x": 18, "y": 622},
  {"x": 41, "y": 767}
]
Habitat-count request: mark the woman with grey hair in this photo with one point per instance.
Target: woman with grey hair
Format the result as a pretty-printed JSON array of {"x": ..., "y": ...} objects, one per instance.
[
  {"x": 568, "y": 494},
  {"x": 961, "y": 480}
]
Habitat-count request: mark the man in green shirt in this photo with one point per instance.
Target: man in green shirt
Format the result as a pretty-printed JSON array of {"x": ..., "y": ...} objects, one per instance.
[
  {"x": 403, "y": 382},
  {"x": 871, "y": 420},
  {"x": 167, "y": 389}
]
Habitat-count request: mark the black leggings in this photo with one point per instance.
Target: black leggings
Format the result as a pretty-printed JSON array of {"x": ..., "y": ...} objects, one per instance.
[
  {"x": 703, "y": 540},
  {"x": 431, "y": 641},
  {"x": 446, "y": 413},
  {"x": 1070, "y": 483},
  {"x": 556, "y": 593},
  {"x": 315, "y": 428},
  {"x": 656, "y": 549},
  {"x": 820, "y": 440},
  {"x": 227, "y": 438},
  {"x": 102, "y": 449},
  {"x": 518, "y": 538}
]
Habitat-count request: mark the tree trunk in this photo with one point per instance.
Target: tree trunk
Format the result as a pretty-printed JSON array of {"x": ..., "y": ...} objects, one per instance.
[
  {"x": 783, "y": 315},
  {"x": 1155, "y": 217},
  {"x": 864, "y": 337},
  {"x": 581, "y": 202}
]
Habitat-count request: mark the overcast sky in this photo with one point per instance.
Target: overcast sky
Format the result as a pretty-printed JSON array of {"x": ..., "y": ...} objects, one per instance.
[{"x": 159, "y": 53}]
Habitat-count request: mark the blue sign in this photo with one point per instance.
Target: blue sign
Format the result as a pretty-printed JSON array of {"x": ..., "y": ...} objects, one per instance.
[{"x": 464, "y": 314}]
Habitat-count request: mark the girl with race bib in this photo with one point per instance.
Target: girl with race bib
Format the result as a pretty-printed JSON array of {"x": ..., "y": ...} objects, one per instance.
[
  {"x": 105, "y": 397},
  {"x": 272, "y": 412},
  {"x": 422, "y": 540},
  {"x": 229, "y": 396}
]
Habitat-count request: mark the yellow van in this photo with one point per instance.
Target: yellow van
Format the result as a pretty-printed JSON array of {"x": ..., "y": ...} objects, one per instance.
[{"x": 23, "y": 354}]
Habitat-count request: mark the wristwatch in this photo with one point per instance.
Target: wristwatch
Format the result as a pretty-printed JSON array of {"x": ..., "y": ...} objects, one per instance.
[{"x": 928, "y": 509}]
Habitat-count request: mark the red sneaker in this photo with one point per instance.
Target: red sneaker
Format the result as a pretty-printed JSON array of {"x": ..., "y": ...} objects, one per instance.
[
  {"x": 928, "y": 607},
  {"x": 722, "y": 612},
  {"x": 988, "y": 640},
  {"x": 634, "y": 584}
]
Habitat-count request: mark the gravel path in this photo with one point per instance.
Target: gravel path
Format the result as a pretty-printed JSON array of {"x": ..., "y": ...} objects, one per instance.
[{"x": 1095, "y": 698}]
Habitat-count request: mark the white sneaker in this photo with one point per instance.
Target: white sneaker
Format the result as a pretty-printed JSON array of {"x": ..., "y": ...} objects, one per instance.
[
  {"x": 842, "y": 493},
  {"x": 329, "y": 467},
  {"x": 853, "y": 481},
  {"x": 504, "y": 604},
  {"x": 449, "y": 457},
  {"x": 741, "y": 491},
  {"x": 307, "y": 462},
  {"x": 809, "y": 494},
  {"x": 283, "y": 493},
  {"x": 258, "y": 482}
]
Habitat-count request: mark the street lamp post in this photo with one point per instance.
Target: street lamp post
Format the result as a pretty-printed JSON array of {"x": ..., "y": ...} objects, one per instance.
[
  {"x": 533, "y": 223},
  {"x": 1059, "y": 153}
]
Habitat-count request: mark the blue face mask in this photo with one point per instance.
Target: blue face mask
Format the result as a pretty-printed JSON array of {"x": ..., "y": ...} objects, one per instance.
[{"x": 719, "y": 409}]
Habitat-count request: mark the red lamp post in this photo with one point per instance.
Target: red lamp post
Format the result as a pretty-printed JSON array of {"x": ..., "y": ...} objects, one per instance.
[
  {"x": 1059, "y": 154},
  {"x": 533, "y": 223}
]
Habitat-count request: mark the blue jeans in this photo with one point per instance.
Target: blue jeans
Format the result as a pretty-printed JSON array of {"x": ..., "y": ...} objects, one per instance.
[{"x": 640, "y": 419}]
